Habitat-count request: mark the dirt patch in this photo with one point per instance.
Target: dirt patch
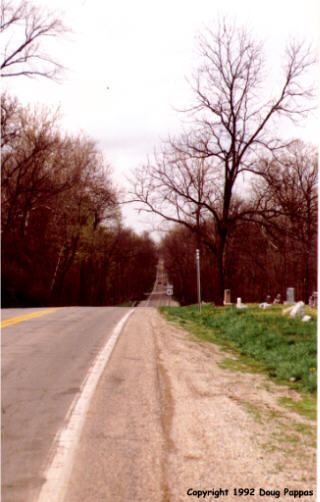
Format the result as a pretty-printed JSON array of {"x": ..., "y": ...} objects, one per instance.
[{"x": 226, "y": 430}]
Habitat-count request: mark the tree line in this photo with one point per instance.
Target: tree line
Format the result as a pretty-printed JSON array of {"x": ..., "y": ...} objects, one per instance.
[{"x": 63, "y": 241}]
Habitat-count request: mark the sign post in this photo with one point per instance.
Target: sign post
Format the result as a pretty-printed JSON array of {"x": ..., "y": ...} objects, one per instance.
[{"x": 198, "y": 279}]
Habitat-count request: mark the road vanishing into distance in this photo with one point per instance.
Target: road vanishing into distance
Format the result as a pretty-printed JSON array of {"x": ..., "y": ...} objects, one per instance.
[
  {"x": 159, "y": 297},
  {"x": 47, "y": 355}
]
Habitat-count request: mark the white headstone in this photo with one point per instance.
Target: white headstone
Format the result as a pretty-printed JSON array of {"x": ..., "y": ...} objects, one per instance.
[
  {"x": 290, "y": 295},
  {"x": 240, "y": 305},
  {"x": 265, "y": 305},
  {"x": 297, "y": 310}
]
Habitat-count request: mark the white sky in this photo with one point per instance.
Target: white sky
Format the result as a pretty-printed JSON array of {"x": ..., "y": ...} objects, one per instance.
[{"x": 144, "y": 50}]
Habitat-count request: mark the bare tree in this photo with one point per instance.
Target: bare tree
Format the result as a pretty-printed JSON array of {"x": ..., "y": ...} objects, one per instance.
[
  {"x": 24, "y": 29},
  {"x": 233, "y": 121}
]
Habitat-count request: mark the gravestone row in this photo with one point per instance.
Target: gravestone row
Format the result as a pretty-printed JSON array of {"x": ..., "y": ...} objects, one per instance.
[{"x": 290, "y": 298}]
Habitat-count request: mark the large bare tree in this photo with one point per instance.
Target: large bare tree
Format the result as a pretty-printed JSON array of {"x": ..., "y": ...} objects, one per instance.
[
  {"x": 24, "y": 30},
  {"x": 234, "y": 121}
]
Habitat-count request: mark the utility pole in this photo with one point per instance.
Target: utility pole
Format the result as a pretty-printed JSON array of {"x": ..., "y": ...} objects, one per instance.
[{"x": 198, "y": 279}]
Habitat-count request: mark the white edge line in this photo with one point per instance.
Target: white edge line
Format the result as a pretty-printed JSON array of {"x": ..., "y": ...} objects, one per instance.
[{"x": 58, "y": 473}]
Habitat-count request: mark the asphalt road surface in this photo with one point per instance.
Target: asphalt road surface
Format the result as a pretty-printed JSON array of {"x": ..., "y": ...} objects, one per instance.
[
  {"x": 45, "y": 359},
  {"x": 158, "y": 296}
]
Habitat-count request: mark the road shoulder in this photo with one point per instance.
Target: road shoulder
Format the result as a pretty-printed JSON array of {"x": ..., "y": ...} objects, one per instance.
[
  {"x": 166, "y": 419},
  {"x": 227, "y": 430}
]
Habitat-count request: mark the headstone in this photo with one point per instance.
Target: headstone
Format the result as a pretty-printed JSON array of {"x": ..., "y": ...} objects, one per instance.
[
  {"x": 297, "y": 310},
  {"x": 290, "y": 295},
  {"x": 227, "y": 297},
  {"x": 265, "y": 305},
  {"x": 313, "y": 300},
  {"x": 240, "y": 305}
]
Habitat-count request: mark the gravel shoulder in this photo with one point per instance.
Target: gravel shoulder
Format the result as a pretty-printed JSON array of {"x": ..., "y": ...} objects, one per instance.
[
  {"x": 167, "y": 421},
  {"x": 227, "y": 429}
]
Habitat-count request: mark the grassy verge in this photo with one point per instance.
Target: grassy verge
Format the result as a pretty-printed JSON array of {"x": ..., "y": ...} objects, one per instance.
[{"x": 264, "y": 340}]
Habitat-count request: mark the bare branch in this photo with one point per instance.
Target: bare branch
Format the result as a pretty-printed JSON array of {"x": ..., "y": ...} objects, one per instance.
[{"x": 24, "y": 28}]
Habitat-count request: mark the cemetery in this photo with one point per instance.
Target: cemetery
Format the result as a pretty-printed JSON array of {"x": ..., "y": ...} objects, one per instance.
[
  {"x": 296, "y": 309},
  {"x": 279, "y": 339}
]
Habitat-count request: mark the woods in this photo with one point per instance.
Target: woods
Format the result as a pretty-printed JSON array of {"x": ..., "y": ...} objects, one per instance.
[{"x": 63, "y": 241}]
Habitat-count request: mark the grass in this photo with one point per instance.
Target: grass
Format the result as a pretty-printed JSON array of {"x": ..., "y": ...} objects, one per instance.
[
  {"x": 305, "y": 406},
  {"x": 244, "y": 365},
  {"x": 263, "y": 340},
  {"x": 305, "y": 429}
]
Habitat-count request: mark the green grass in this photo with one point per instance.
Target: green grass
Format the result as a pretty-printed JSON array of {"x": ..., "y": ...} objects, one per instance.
[
  {"x": 265, "y": 340},
  {"x": 244, "y": 365},
  {"x": 305, "y": 406}
]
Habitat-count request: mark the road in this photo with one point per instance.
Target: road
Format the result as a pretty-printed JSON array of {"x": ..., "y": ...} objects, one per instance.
[
  {"x": 45, "y": 359},
  {"x": 165, "y": 418},
  {"x": 46, "y": 356},
  {"x": 158, "y": 296}
]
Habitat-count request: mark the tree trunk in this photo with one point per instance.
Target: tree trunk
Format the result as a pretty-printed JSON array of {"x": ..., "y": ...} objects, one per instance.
[{"x": 220, "y": 256}]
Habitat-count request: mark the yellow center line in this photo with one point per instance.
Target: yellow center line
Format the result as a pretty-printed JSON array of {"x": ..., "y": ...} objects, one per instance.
[{"x": 25, "y": 317}]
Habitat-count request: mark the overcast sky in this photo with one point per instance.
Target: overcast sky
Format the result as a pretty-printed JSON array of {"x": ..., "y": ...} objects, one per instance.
[{"x": 128, "y": 62}]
